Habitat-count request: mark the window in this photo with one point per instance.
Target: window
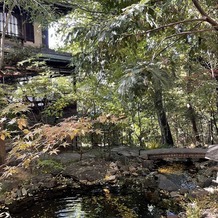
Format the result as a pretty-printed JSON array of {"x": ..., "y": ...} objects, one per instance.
[
  {"x": 12, "y": 28},
  {"x": 18, "y": 26},
  {"x": 29, "y": 36}
]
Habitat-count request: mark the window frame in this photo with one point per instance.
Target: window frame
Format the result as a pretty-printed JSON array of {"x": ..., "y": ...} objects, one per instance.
[
  {"x": 13, "y": 28},
  {"x": 25, "y": 28}
]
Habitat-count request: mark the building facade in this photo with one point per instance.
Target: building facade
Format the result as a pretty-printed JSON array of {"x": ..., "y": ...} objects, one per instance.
[{"x": 21, "y": 32}]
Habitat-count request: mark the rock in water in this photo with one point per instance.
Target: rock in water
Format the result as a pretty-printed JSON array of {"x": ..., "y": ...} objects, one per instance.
[{"x": 212, "y": 153}]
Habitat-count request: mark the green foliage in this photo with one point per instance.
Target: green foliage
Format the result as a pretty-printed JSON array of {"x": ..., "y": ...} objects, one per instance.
[
  {"x": 49, "y": 96},
  {"x": 37, "y": 9},
  {"x": 133, "y": 66},
  {"x": 153, "y": 145},
  {"x": 4, "y": 90},
  {"x": 198, "y": 207},
  {"x": 15, "y": 108},
  {"x": 49, "y": 165},
  {"x": 135, "y": 48},
  {"x": 18, "y": 53},
  {"x": 193, "y": 210}
]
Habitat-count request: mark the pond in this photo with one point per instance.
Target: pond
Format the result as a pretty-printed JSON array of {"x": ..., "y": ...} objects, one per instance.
[{"x": 93, "y": 206}]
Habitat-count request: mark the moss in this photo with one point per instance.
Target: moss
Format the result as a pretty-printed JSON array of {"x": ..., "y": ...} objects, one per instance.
[{"x": 49, "y": 165}]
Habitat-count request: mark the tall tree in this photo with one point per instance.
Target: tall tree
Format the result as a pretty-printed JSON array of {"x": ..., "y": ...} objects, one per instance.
[{"x": 109, "y": 35}]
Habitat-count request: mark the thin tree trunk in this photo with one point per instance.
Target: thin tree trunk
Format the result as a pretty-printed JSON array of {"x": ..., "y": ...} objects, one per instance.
[
  {"x": 2, "y": 151},
  {"x": 192, "y": 117},
  {"x": 2, "y": 148},
  {"x": 190, "y": 110},
  {"x": 210, "y": 131},
  {"x": 166, "y": 135},
  {"x": 214, "y": 120},
  {"x": 5, "y": 27},
  {"x": 140, "y": 126}
]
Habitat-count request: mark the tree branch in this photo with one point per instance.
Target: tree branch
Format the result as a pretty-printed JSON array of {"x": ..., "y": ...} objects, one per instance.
[
  {"x": 204, "y": 14},
  {"x": 176, "y": 40},
  {"x": 85, "y": 9},
  {"x": 169, "y": 25},
  {"x": 191, "y": 32},
  {"x": 176, "y": 23}
]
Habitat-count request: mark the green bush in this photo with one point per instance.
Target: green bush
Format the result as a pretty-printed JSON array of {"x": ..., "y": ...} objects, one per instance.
[{"x": 49, "y": 165}]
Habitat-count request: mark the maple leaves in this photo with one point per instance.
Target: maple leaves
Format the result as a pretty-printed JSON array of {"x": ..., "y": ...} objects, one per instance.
[
  {"x": 10, "y": 120},
  {"x": 15, "y": 108},
  {"x": 22, "y": 122},
  {"x": 32, "y": 142},
  {"x": 4, "y": 134}
]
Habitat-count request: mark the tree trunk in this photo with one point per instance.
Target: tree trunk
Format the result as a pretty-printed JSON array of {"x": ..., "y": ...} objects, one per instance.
[
  {"x": 2, "y": 147},
  {"x": 2, "y": 151},
  {"x": 192, "y": 117},
  {"x": 166, "y": 135}
]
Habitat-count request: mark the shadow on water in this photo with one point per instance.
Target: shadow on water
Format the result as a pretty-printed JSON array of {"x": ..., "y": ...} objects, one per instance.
[{"x": 98, "y": 206}]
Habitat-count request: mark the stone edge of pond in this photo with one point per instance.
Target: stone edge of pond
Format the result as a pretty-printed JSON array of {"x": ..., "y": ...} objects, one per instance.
[{"x": 116, "y": 176}]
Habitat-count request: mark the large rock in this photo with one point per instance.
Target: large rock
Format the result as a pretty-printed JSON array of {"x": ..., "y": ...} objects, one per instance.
[
  {"x": 125, "y": 151},
  {"x": 173, "y": 182},
  {"x": 89, "y": 172},
  {"x": 167, "y": 184},
  {"x": 212, "y": 153}
]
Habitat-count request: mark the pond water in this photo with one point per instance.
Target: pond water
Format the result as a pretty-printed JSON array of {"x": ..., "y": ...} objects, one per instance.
[{"x": 101, "y": 206}]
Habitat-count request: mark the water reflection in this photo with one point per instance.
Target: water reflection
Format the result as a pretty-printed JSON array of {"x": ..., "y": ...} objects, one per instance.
[
  {"x": 72, "y": 207},
  {"x": 109, "y": 206}
]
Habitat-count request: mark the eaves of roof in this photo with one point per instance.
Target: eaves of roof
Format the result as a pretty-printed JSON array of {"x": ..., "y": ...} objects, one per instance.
[
  {"x": 52, "y": 55},
  {"x": 63, "y": 7}
]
